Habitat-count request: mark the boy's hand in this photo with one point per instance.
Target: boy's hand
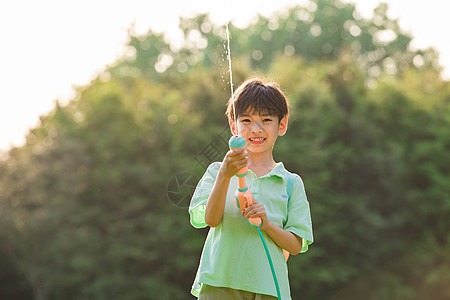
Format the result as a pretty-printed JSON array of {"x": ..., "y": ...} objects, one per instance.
[
  {"x": 257, "y": 210},
  {"x": 233, "y": 162}
]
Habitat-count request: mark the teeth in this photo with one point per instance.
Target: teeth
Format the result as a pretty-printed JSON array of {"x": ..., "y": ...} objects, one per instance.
[{"x": 257, "y": 139}]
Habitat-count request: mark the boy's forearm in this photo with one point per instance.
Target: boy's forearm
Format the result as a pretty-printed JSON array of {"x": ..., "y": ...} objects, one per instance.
[
  {"x": 284, "y": 239},
  {"x": 216, "y": 201}
]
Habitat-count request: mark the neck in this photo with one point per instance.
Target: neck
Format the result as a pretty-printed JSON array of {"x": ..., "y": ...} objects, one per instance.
[{"x": 261, "y": 163}]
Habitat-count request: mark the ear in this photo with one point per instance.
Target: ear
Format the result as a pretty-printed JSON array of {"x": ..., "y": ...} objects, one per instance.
[
  {"x": 232, "y": 126},
  {"x": 283, "y": 126}
]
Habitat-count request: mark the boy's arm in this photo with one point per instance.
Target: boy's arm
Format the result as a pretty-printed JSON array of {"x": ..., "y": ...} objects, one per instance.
[
  {"x": 234, "y": 161},
  {"x": 216, "y": 201},
  {"x": 283, "y": 238}
]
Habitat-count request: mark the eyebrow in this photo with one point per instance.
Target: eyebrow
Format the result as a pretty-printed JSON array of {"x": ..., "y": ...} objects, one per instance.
[{"x": 263, "y": 115}]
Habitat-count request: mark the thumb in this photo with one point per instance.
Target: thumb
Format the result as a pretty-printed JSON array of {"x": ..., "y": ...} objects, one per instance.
[{"x": 249, "y": 199}]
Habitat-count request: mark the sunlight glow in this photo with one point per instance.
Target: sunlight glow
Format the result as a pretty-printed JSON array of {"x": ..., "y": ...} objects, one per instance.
[{"x": 50, "y": 46}]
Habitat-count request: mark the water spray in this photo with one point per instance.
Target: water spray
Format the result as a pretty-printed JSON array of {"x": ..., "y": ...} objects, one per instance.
[{"x": 243, "y": 196}]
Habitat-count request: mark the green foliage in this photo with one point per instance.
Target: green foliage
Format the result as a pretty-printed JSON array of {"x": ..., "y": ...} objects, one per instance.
[{"x": 85, "y": 206}]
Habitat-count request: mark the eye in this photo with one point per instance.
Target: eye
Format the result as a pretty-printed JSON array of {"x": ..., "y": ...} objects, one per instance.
[
  {"x": 245, "y": 120},
  {"x": 267, "y": 120}
]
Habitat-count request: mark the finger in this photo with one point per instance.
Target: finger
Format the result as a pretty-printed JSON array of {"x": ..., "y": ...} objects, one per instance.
[
  {"x": 238, "y": 159},
  {"x": 255, "y": 205},
  {"x": 255, "y": 210},
  {"x": 233, "y": 157},
  {"x": 242, "y": 162},
  {"x": 236, "y": 152},
  {"x": 251, "y": 212}
]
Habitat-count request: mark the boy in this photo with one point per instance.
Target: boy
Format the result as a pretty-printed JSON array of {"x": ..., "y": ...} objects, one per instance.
[{"x": 233, "y": 263}]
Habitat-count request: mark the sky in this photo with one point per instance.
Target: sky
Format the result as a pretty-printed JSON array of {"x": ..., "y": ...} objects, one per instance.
[{"x": 50, "y": 46}]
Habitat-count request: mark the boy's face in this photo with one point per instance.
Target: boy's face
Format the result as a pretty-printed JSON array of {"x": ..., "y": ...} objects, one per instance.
[{"x": 260, "y": 130}]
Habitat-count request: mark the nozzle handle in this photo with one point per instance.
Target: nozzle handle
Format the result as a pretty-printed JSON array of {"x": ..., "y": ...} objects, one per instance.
[{"x": 243, "y": 198}]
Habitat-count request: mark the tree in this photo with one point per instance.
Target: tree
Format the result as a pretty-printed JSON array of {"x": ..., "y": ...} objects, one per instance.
[{"x": 84, "y": 205}]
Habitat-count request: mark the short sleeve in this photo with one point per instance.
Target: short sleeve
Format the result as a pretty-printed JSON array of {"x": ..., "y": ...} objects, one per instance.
[
  {"x": 299, "y": 215},
  {"x": 201, "y": 194}
]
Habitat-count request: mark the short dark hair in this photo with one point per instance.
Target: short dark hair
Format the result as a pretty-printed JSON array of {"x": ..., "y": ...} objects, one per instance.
[{"x": 259, "y": 97}]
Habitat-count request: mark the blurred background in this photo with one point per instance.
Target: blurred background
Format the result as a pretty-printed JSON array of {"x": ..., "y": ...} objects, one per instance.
[{"x": 101, "y": 148}]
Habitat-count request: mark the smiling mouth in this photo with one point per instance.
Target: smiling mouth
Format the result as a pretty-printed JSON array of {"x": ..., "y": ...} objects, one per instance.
[{"x": 257, "y": 139}]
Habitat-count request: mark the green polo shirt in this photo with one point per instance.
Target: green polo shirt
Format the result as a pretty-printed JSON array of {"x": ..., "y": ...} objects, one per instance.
[{"x": 233, "y": 255}]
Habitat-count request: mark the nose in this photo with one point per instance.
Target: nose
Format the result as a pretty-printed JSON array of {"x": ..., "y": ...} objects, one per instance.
[{"x": 257, "y": 127}]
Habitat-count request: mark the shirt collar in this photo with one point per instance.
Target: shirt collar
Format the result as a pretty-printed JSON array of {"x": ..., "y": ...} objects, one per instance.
[{"x": 278, "y": 171}]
